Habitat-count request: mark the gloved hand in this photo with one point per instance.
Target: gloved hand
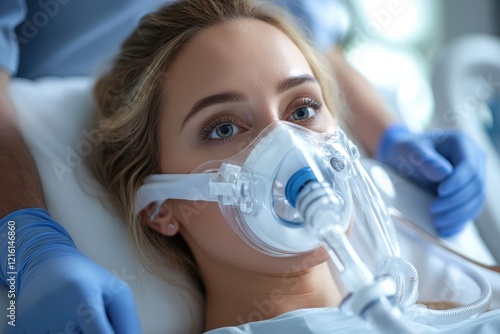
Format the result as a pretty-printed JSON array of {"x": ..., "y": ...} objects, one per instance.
[
  {"x": 58, "y": 289},
  {"x": 446, "y": 162}
]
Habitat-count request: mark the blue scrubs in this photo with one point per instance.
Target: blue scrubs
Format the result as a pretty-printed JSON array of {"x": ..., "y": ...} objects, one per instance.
[{"x": 78, "y": 37}]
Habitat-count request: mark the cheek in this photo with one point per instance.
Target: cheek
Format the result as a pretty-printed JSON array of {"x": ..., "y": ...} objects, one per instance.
[
  {"x": 325, "y": 123},
  {"x": 177, "y": 157},
  {"x": 212, "y": 239},
  {"x": 330, "y": 122},
  {"x": 207, "y": 232}
]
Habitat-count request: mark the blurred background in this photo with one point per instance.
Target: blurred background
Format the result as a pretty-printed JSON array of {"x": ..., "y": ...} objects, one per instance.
[{"x": 394, "y": 43}]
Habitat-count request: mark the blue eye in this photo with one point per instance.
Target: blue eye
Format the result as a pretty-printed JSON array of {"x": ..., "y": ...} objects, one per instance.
[
  {"x": 220, "y": 130},
  {"x": 224, "y": 131},
  {"x": 302, "y": 113},
  {"x": 304, "y": 109}
]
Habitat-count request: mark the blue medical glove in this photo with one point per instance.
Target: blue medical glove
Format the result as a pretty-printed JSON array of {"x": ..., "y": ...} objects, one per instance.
[
  {"x": 446, "y": 162},
  {"x": 57, "y": 289}
]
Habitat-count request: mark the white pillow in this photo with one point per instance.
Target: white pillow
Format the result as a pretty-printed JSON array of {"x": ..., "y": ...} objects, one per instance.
[{"x": 56, "y": 117}]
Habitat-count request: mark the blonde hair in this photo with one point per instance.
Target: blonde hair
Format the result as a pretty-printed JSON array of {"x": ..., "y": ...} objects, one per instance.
[{"x": 129, "y": 100}]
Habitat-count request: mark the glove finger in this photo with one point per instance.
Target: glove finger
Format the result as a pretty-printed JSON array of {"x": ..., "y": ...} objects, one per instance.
[
  {"x": 460, "y": 197},
  {"x": 459, "y": 216},
  {"x": 431, "y": 164},
  {"x": 468, "y": 159},
  {"x": 36, "y": 320},
  {"x": 95, "y": 320},
  {"x": 453, "y": 222},
  {"x": 462, "y": 175},
  {"x": 451, "y": 231},
  {"x": 122, "y": 312},
  {"x": 464, "y": 171},
  {"x": 455, "y": 146}
]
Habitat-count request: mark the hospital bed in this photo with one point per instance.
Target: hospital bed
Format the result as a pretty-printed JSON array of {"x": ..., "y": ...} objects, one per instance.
[{"x": 56, "y": 117}]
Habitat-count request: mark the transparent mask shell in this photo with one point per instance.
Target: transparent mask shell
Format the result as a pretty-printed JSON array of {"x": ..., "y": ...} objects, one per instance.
[{"x": 257, "y": 207}]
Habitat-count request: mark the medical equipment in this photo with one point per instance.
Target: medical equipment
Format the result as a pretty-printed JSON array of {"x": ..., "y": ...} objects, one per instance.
[
  {"x": 253, "y": 189},
  {"x": 283, "y": 194},
  {"x": 291, "y": 189}
]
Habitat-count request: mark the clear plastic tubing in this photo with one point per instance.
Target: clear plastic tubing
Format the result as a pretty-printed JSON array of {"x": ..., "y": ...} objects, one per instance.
[
  {"x": 319, "y": 208},
  {"x": 454, "y": 315}
]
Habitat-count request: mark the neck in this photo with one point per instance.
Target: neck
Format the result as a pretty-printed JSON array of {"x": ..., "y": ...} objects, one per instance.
[{"x": 235, "y": 297}]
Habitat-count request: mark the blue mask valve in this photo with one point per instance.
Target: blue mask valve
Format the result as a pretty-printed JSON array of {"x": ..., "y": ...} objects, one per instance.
[{"x": 297, "y": 182}]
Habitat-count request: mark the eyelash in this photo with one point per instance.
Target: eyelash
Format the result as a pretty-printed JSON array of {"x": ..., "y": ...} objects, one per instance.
[
  {"x": 309, "y": 101},
  {"x": 212, "y": 125}
]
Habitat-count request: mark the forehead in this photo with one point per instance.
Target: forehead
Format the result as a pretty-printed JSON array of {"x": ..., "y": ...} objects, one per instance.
[{"x": 234, "y": 54}]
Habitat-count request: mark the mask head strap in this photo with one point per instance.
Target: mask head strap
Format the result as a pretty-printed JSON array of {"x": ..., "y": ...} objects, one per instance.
[{"x": 161, "y": 187}]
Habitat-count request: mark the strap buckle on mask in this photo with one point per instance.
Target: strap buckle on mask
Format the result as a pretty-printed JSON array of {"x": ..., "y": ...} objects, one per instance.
[{"x": 236, "y": 186}]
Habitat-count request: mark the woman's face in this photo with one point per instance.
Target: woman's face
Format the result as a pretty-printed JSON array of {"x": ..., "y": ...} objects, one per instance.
[{"x": 229, "y": 83}]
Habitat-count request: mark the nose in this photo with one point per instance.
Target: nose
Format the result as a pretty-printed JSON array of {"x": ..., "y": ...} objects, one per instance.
[{"x": 265, "y": 117}]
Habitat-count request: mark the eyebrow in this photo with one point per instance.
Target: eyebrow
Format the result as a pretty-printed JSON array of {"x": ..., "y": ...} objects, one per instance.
[
  {"x": 211, "y": 100},
  {"x": 295, "y": 81},
  {"x": 233, "y": 96}
]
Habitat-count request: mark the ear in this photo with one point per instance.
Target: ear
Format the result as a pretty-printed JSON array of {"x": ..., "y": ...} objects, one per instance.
[{"x": 164, "y": 222}]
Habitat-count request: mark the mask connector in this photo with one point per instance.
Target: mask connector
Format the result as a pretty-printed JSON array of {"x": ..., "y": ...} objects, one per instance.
[{"x": 371, "y": 299}]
